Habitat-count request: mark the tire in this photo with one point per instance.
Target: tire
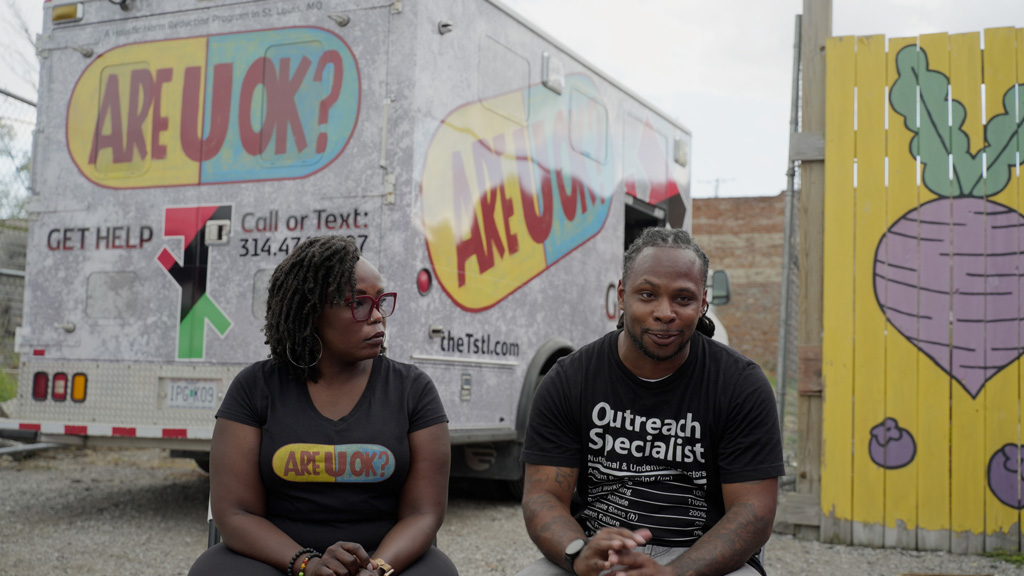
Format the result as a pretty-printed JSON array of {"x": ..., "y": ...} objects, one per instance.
[
  {"x": 203, "y": 463},
  {"x": 515, "y": 487},
  {"x": 546, "y": 357}
]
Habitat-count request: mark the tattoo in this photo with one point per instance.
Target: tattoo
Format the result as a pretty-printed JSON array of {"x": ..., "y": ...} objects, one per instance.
[
  {"x": 729, "y": 544},
  {"x": 745, "y": 527},
  {"x": 547, "y": 519},
  {"x": 539, "y": 503},
  {"x": 546, "y": 509},
  {"x": 566, "y": 478},
  {"x": 558, "y": 525}
]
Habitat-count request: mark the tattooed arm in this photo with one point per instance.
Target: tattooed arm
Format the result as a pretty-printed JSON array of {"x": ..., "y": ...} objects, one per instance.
[
  {"x": 746, "y": 527},
  {"x": 546, "y": 500},
  {"x": 547, "y": 495}
]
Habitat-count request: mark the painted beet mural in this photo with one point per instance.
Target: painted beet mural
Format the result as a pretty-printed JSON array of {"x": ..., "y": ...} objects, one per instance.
[
  {"x": 923, "y": 292},
  {"x": 968, "y": 248},
  {"x": 915, "y": 289}
]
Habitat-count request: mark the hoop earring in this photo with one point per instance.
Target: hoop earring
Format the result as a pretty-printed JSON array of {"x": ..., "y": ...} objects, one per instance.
[{"x": 288, "y": 353}]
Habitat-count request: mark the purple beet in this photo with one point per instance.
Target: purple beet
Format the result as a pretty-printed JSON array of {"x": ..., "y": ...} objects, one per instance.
[
  {"x": 1004, "y": 475},
  {"x": 915, "y": 288},
  {"x": 891, "y": 446}
]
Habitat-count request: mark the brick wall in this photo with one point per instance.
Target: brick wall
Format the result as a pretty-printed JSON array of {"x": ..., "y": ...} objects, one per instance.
[{"x": 744, "y": 236}]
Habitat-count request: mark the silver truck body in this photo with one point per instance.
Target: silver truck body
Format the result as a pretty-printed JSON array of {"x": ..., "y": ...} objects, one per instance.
[{"x": 184, "y": 147}]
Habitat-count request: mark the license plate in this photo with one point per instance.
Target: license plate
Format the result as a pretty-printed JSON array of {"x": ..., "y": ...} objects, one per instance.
[{"x": 192, "y": 394}]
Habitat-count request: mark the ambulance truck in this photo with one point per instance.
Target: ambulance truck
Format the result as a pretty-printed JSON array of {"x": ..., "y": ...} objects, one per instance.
[{"x": 185, "y": 147}]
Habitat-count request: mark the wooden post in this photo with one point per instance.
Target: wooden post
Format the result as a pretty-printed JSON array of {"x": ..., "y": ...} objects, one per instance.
[{"x": 816, "y": 29}]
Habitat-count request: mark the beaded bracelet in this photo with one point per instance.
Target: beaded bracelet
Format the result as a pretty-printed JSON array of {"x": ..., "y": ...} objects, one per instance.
[
  {"x": 296, "y": 557},
  {"x": 302, "y": 568}
]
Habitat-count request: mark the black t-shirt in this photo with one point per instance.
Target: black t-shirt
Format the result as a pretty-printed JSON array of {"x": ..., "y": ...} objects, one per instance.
[
  {"x": 655, "y": 454},
  {"x": 328, "y": 481}
]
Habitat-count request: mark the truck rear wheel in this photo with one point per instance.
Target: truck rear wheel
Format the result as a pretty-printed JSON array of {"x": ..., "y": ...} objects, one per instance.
[
  {"x": 201, "y": 458},
  {"x": 546, "y": 357},
  {"x": 203, "y": 463},
  {"x": 515, "y": 487}
]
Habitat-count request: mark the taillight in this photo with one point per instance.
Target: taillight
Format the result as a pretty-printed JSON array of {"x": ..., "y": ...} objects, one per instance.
[
  {"x": 60, "y": 386},
  {"x": 40, "y": 384},
  {"x": 78, "y": 382}
]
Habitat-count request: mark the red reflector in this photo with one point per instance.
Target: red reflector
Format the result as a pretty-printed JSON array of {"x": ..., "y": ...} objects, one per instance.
[
  {"x": 128, "y": 432},
  {"x": 39, "y": 352},
  {"x": 75, "y": 430},
  {"x": 423, "y": 281},
  {"x": 60, "y": 386},
  {"x": 40, "y": 384},
  {"x": 175, "y": 433}
]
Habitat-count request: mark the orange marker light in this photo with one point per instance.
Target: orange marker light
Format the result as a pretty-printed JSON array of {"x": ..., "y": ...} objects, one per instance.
[
  {"x": 68, "y": 13},
  {"x": 78, "y": 382}
]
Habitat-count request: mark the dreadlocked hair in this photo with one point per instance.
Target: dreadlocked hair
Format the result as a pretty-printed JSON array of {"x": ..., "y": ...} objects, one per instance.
[
  {"x": 318, "y": 270},
  {"x": 669, "y": 238}
]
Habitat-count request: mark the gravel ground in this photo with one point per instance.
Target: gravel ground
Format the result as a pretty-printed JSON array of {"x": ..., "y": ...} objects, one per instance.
[{"x": 104, "y": 511}]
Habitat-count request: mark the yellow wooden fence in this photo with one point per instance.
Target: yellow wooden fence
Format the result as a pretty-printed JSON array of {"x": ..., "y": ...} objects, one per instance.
[{"x": 923, "y": 390}]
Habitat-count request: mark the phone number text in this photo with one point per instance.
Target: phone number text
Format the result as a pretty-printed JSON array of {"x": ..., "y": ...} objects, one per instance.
[{"x": 270, "y": 247}]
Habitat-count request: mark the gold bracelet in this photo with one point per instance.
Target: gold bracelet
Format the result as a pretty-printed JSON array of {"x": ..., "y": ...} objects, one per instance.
[{"x": 388, "y": 570}]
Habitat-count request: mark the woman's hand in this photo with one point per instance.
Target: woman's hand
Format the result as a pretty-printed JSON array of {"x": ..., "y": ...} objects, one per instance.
[{"x": 341, "y": 559}]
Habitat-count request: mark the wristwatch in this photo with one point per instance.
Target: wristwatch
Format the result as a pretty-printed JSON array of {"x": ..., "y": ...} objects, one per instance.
[
  {"x": 572, "y": 551},
  {"x": 388, "y": 570}
]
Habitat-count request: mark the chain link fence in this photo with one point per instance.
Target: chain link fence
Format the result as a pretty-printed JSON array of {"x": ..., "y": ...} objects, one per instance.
[
  {"x": 17, "y": 122},
  {"x": 787, "y": 373},
  {"x": 787, "y": 365}
]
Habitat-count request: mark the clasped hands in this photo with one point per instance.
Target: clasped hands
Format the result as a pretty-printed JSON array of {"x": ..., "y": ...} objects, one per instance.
[{"x": 612, "y": 552}]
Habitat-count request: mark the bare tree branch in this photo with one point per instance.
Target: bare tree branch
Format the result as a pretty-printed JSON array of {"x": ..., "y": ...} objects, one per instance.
[{"x": 19, "y": 46}]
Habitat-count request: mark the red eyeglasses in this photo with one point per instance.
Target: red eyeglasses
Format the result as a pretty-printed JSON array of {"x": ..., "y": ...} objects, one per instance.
[{"x": 362, "y": 306}]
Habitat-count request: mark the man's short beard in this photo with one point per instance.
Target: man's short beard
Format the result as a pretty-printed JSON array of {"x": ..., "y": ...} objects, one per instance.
[{"x": 646, "y": 352}]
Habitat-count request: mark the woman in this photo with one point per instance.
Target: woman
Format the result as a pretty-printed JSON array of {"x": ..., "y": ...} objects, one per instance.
[{"x": 328, "y": 458}]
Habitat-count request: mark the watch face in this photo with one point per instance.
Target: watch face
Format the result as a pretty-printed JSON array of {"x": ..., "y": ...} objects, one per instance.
[{"x": 575, "y": 547}]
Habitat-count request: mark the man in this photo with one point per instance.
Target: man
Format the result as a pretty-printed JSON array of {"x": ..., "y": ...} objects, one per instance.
[{"x": 670, "y": 440}]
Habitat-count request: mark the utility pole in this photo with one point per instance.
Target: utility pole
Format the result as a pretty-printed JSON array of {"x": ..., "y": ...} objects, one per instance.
[
  {"x": 717, "y": 182},
  {"x": 816, "y": 25}
]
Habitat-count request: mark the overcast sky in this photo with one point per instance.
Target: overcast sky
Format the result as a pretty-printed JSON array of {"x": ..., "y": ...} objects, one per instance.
[{"x": 723, "y": 69}]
